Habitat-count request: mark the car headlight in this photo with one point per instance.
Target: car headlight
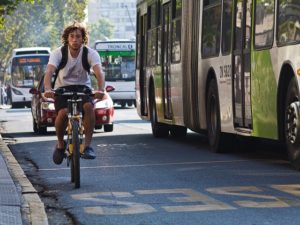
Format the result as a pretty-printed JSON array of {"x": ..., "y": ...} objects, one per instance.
[
  {"x": 102, "y": 104},
  {"x": 48, "y": 106}
]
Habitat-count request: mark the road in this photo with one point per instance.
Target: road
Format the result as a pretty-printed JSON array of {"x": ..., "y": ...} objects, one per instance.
[{"x": 139, "y": 180}]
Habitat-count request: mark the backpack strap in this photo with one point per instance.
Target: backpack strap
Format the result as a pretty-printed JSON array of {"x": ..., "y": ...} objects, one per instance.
[
  {"x": 62, "y": 64},
  {"x": 85, "y": 62}
]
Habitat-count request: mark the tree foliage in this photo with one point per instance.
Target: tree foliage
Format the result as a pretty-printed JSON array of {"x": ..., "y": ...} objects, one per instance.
[
  {"x": 7, "y": 6},
  {"x": 37, "y": 23},
  {"x": 100, "y": 30},
  {"x": 29, "y": 23}
]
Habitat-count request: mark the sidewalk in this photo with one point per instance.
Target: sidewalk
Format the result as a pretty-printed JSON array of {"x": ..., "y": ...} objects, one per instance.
[{"x": 19, "y": 202}]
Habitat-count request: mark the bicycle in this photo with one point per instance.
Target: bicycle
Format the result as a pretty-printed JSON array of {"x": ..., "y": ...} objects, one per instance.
[{"x": 75, "y": 130}]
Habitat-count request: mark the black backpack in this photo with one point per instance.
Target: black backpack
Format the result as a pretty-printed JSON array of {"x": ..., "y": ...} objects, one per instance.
[{"x": 64, "y": 60}]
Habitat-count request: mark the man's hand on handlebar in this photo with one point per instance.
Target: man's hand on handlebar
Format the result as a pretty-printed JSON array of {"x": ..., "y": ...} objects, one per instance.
[
  {"x": 49, "y": 94},
  {"x": 99, "y": 95}
]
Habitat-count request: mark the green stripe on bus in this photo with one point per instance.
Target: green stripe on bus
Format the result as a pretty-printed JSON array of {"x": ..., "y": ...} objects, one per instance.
[
  {"x": 264, "y": 95},
  {"x": 117, "y": 53}
]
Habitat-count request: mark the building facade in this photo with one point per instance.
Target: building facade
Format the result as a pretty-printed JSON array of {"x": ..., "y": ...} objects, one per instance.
[{"x": 122, "y": 13}]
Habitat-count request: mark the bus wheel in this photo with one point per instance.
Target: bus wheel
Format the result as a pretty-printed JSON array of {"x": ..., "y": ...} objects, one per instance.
[
  {"x": 123, "y": 104},
  {"x": 218, "y": 141},
  {"x": 158, "y": 129},
  {"x": 178, "y": 131},
  {"x": 291, "y": 125}
]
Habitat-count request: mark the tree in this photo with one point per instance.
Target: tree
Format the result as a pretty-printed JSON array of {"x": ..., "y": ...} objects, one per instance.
[
  {"x": 7, "y": 6},
  {"x": 40, "y": 23},
  {"x": 100, "y": 30}
]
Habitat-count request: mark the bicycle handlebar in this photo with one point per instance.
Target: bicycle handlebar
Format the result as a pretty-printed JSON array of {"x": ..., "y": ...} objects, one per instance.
[{"x": 85, "y": 91}]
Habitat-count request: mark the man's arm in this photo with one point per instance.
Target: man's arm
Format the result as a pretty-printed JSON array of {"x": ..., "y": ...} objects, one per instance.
[
  {"x": 48, "y": 75},
  {"x": 47, "y": 81}
]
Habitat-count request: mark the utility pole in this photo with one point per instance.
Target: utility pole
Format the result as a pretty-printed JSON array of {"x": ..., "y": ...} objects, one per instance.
[{"x": 130, "y": 18}]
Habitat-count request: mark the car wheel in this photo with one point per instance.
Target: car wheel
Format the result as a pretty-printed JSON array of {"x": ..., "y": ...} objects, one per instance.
[
  {"x": 42, "y": 130},
  {"x": 98, "y": 127},
  {"x": 108, "y": 127}
]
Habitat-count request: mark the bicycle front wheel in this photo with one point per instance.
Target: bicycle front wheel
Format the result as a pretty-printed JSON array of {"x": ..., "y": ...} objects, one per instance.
[{"x": 75, "y": 159}]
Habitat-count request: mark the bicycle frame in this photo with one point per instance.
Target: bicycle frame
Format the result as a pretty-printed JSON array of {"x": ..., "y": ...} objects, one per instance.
[
  {"x": 75, "y": 131},
  {"x": 74, "y": 114}
]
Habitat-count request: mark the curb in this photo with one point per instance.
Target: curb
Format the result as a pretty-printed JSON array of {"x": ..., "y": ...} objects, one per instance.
[{"x": 32, "y": 205}]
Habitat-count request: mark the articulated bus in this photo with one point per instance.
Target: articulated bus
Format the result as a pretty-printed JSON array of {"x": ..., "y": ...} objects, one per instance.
[
  {"x": 223, "y": 67},
  {"x": 118, "y": 64},
  {"x": 25, "y": 68}
]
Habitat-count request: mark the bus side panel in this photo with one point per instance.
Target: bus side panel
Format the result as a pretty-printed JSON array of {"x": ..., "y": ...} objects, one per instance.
[
  {"x": 176, "y": 93},
  {"x": 137, "y": 92},
  {"x": 264, "y": 95},
  {"x": 190, "y": 56},
  {"x": 158, "y": 87}
]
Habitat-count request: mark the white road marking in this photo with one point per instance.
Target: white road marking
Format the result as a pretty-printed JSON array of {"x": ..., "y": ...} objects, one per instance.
[{"x": 147, "y": 165}]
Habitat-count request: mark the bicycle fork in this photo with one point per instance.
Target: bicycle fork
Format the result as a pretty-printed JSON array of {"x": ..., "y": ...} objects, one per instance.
[{"x": 74, "y": 115}]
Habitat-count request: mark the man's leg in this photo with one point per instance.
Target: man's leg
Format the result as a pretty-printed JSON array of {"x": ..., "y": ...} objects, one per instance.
[
  {"x": 89, "y": 123},
  {"x": 61, "y": 123}
]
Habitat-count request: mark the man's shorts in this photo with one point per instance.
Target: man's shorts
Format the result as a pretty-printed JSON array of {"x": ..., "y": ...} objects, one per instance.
[{"x": 61, "y": 102}]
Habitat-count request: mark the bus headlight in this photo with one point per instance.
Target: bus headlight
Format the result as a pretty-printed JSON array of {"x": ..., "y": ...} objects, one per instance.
[{"x": 47, "y": 106}]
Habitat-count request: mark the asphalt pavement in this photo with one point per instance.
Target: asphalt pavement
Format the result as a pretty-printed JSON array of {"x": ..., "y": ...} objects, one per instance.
[{"x": 19, "y": 200}]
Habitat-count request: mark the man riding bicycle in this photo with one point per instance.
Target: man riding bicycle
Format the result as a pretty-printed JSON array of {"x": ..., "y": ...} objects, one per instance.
[{"x": 72, "y": 76}]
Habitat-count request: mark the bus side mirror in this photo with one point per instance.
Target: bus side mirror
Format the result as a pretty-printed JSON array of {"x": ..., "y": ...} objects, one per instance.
[{"x": 109, "y": 88}]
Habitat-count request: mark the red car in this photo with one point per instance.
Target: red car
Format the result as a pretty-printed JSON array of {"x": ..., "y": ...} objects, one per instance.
[
  {"x": 104, "y": 112},
  {"x": 43, "y": 110}
]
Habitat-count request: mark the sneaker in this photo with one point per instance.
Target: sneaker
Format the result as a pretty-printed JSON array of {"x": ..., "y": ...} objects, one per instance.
[
  {"x": 88, "y": 153},
  {"x": 59, "y": 155}
]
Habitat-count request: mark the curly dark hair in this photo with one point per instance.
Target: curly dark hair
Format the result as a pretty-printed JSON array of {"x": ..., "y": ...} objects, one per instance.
[{"x": 69, "y": 29}]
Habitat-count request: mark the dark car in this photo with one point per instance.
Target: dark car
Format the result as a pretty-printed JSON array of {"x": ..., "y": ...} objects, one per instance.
[{"x": 43, "y": 110}]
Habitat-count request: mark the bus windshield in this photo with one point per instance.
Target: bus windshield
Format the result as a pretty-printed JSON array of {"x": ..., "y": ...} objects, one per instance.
[
  {"x": 27, "y": 70},
  {"x": 118, "y": 66}
]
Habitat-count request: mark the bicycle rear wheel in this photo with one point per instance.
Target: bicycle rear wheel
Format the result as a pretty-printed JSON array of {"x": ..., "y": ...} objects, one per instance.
[{"x": 75, "y": 158}]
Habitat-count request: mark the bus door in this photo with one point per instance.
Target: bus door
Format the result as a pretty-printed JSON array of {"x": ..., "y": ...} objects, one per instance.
[
  {"x": 142, "y": 60},
  {"x": 166, "y": 59},
  {"x": 242, "y": 65}
]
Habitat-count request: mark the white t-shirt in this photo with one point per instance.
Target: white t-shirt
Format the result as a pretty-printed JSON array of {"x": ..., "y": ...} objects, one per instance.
[{"x": 73, "y": 73}]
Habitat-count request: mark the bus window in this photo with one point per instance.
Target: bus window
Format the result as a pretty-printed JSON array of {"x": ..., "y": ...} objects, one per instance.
[
  {"x": 288, "y": 22},
  {"x": 227, "y": 26},
  {"x": 211, "y": 29},
  {"x": 176, "y": 31},
  {"x": 264, "y": 23}
]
